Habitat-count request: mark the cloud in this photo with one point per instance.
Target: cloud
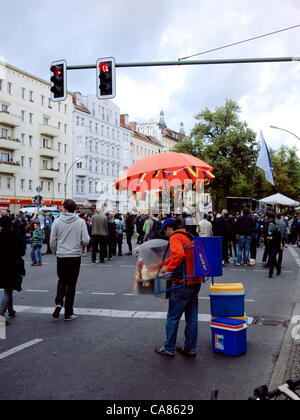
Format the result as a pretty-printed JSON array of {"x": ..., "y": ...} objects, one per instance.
[{"x": 138, "y": 31}]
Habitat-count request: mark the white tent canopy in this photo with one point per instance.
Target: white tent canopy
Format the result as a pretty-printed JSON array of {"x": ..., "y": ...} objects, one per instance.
[{"x": 280, "y": 200}]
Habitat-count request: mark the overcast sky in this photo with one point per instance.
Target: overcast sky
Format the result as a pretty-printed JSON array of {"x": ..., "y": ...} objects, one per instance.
[{"x": 32, "y": 34}]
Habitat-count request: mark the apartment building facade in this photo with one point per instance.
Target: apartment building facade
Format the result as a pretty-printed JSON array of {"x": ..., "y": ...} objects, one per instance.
[
  {"x": 160, "y": 131},
  {"x": 35, "y": 141},
  {"x": 101, "y": 152}
]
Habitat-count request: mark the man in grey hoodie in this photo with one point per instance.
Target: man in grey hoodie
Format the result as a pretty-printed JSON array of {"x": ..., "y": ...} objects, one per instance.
[{"x": 68, "y": 234}]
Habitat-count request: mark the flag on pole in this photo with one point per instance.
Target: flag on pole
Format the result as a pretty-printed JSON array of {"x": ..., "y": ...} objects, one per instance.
[{"x": 264, "y": 159}]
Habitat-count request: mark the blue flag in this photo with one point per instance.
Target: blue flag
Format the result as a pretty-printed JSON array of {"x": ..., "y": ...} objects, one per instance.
[{"x": 264, "y": 159}]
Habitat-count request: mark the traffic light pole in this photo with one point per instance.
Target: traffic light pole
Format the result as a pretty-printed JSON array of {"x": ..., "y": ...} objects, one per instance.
[{"x": 193, "y": 62}]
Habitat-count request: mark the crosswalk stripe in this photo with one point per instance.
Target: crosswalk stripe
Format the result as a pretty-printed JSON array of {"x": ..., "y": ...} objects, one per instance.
[{"x": 111, "y": 313}]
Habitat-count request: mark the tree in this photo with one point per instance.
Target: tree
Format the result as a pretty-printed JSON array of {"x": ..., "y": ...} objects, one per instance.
[
  {"x": 223, "y": 141},
  {"x": 286, "y": 174}
]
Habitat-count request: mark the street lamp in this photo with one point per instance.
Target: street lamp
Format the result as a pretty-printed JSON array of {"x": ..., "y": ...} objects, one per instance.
[
  {"x": 67, "y": 174},
  {"x": 283, "y": 129}
]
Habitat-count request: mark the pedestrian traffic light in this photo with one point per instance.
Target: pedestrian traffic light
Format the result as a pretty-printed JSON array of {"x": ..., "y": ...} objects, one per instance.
[
  {"x": 58, "y": 79},
  {"x": 106, "y": 78}
]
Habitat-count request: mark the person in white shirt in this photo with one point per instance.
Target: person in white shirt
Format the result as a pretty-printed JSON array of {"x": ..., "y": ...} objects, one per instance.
[{"x": 205, "y": 227}]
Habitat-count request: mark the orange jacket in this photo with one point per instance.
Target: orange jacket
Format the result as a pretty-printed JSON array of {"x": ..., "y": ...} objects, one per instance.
[{"x": 179, "y": 254}]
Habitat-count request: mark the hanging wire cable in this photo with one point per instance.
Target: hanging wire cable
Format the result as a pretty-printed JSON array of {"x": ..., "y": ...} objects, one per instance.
[{"x": 240, "y": 42}]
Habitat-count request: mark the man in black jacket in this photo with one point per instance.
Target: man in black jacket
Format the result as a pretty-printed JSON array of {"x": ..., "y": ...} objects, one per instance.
[
  {"x": 244, "y": 226},
  {"x": 221, "y": 227}
]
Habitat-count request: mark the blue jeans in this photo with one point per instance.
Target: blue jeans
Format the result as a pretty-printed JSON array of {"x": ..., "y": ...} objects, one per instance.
[
  {"x": 36, "y": 254},
  {"x": 244, "y": 244},
  {"x": 182, "y": 300}
]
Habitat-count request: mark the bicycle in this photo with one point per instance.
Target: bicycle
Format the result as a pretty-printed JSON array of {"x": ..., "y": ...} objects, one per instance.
[{"x": 262, "y": 393}]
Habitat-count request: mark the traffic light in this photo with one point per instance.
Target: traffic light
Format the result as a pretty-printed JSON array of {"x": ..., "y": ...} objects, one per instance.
[
  {"x": 106, "y": 78},
  {"x": 58, "y": 79},
  {"x": 38, "y": 199}
]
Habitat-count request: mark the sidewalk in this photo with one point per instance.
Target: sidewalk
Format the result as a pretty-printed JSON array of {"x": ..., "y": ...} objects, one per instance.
[{"x": 288, "y": 363}]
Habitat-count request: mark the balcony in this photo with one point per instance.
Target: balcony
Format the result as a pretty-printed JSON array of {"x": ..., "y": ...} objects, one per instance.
[
  {"x": 48, "y": 152},
  {"x": 9, "y": 167},
  {"x": 49, "y": 130},
  {"x": 82, "y": 172},
  {"x": 9, "y": 144},
  {"x": 9, "y": 119},
  {"x": 49, "y": 173}
]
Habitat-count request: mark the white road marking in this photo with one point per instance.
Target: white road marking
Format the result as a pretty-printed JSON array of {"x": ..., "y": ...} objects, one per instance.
[
  {"x": 41, "y": 291},
  {"x": 103, "y": 293},
  {"x": 295, "y": 255},
  {"x": 112, "y": 313},
  {"x": 20, "y": 348}
]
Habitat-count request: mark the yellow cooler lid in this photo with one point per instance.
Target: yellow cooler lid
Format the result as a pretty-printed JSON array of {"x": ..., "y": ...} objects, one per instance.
[{"x": 227, "y": 287}]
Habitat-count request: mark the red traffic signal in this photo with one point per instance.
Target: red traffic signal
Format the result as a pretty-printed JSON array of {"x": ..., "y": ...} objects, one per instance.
[
  {"x": 58, "y": 80},
  {"x": 105, "y": 78}
]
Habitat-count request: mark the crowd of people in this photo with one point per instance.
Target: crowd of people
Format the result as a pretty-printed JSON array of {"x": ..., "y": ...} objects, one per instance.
[
  {"x": 104, "y": 233},
  {"x": 242, "y": 232}
]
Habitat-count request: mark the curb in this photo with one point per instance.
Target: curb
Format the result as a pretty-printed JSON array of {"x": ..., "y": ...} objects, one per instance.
[
  {"x": 284, "y": 367},
  {"x": 279, "y": 375}
]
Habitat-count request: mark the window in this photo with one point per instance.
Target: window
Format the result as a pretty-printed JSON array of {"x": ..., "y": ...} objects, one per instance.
[
  {"x": 4, "y": 107},
  {"x": 22, "y": 161},
  {"x": 90, "y": 186},
  {"x": 30, "y": 184},
  {"x": 8, "y": 183},
  {"x": 9, "y": 86},
  {"x": 5, "y": 157},
  {"x": 82, "y": 186},
  {"x": 45, "y": 164},
  {"x": 23, "y": 92},
  {"x": 45, "y": 120},
  {"x": 49, "y": 186},
  {"x": 77, "y": 185},
  {"x": 42, "y": 185},
  {"x": 42, "y": 100},
  {"x": 30, "y": 117},
  {"x": 31, "y": 96},
  {"x": 23, "y": 138},
  {"x": 30, "y": 162},
  {"x": 1, "y": 83},
  {"x": 58, "y": 187},
  {"x": 22, "y": 182},
  {"x": 30, "y": 141},
  {"x": 4, "y": 133},
  {"x": 23, "y": 115},
  {"x": 46, "y": 143}
]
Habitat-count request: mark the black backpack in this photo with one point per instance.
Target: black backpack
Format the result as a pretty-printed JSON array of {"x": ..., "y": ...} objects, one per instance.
[{"x": 155, "y": 231}]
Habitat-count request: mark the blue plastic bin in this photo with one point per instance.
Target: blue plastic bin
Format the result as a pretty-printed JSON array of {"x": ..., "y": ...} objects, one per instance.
[{"x": 229, "y": 336}]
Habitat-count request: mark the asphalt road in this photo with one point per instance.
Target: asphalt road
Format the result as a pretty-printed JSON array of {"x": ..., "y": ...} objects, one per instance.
[{"x": 108, "y": 353}]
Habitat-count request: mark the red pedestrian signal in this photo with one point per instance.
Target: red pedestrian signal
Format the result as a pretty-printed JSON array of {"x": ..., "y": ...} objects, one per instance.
[
  {"x": 58, "y": 80},
  {"x": 105, "y": 78}
]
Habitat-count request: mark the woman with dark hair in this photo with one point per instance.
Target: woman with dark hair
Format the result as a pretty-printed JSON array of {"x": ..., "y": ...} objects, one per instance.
[
  {"x": 12, "y": 249},
  {"x": 274, "y": 245}
]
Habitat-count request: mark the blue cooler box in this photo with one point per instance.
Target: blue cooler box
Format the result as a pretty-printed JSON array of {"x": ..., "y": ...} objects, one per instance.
[
  {"x": 227, "y": 299},
  {"x": 229, "y": 336}
]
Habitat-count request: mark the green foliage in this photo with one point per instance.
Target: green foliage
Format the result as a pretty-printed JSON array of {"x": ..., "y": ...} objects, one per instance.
[{"x": 222, "y": 140}]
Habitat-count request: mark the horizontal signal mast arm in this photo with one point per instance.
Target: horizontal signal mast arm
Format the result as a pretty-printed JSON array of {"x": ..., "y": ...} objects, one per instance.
[{"x": 193, "y": 62}]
